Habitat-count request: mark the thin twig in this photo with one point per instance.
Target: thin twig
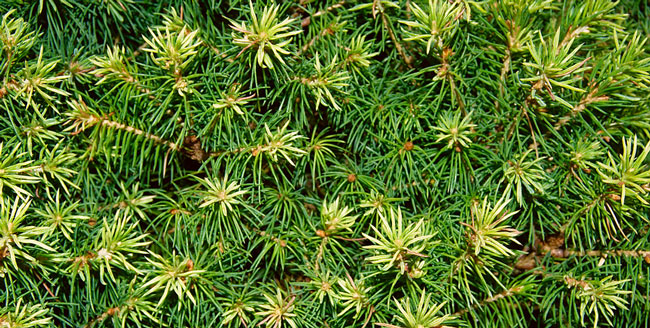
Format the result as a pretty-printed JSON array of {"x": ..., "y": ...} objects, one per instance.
[
  {"x": 398, "y": 46},
  {"x": 328, "y": 9},
  {"x": 506, "y": 293}
]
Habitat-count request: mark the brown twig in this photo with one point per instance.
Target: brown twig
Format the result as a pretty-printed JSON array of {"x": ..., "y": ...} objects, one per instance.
[
  {"x": 108, "y": 313},
  {"x": 85, "y": 120},
  {"x": 553, "y": 246},
  {"x": 49, "y": 291},
  {"x": 388, "y": 28},
  {"x": 326, "y": 31},
  {"x": 588, "y": 99},
  {"x": 328, "y": 9},
  {"x": 506, "y": 293}
]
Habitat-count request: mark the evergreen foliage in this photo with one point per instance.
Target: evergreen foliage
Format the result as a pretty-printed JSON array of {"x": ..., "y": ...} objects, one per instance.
[{"x": 413, "y": 164}]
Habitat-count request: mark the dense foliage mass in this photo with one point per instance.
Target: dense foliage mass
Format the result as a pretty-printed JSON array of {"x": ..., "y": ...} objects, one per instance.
[{"x": 199, "y": 163}]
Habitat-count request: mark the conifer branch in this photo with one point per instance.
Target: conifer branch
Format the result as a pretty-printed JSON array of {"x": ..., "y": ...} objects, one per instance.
[{"x": 177, "y": 165}]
